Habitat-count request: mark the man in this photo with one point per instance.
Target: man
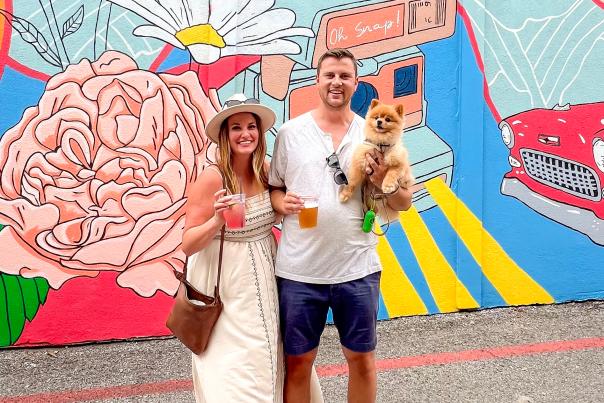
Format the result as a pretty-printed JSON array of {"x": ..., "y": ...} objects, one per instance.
[{"x": 335, "y": 264}]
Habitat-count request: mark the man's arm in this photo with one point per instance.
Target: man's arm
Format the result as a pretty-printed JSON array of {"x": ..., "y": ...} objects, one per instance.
[{"x": 283, "y": 202}]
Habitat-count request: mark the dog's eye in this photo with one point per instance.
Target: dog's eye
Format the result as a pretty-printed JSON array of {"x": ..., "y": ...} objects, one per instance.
[{"x": 387, "y": 119}]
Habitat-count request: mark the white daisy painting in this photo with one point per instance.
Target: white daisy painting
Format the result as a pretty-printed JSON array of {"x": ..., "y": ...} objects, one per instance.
[{"x": 211, "y": 29}]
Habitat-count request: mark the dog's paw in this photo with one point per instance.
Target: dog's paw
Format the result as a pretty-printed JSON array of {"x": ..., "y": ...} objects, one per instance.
[
  {"x": 389, "y": 186},
  {"x": 345, "y": 194}
]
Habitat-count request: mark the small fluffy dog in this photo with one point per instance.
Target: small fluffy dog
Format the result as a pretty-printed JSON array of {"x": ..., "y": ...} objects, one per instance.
[{"x": 383, "y": 131}]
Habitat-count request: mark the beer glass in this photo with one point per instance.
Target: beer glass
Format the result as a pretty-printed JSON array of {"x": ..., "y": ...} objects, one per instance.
[
  {"x": 235, "y": 214},
  {"x": 308, "y": 216}
]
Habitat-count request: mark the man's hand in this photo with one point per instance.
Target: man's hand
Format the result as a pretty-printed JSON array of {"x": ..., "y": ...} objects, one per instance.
[
  {"x": 286, "y": 203},
  {"x": 292, "y": 204}
]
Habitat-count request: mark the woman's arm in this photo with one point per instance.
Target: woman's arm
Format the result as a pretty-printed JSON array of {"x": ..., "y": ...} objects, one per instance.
[
  {"x": 205, "y": 204},
  {"x": 400, "y": 199}
]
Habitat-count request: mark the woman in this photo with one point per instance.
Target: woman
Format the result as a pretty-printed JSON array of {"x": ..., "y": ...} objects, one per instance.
[{"x": 244, "y": 359}]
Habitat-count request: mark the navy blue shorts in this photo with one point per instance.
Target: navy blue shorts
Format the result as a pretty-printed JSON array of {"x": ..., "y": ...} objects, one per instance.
[{"x": 304, "y": 306}]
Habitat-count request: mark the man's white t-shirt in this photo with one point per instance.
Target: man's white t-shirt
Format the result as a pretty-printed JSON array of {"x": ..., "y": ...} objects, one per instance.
[{"x": 336, "y": 250}]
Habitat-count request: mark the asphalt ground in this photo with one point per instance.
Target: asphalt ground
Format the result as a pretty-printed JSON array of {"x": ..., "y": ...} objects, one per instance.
[{"x": 552, "y": 353}]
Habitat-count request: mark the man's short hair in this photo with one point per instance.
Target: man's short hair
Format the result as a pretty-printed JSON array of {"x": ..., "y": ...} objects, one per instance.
[{"x": 338, "y": 53}]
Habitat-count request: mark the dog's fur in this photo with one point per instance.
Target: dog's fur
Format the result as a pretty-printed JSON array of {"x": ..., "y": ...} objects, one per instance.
[{"x": 383, "y": 131}]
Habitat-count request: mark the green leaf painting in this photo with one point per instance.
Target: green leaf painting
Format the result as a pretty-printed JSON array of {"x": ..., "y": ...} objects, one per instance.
[{"x": 20, "y": 299}]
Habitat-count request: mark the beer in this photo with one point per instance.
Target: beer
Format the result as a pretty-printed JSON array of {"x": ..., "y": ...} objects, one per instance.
[{"x": 308, "y": 216}]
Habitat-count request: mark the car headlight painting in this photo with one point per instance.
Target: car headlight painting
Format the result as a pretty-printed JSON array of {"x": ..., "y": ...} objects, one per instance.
[
  {"x": 507, "y": 135},
  {"x": 599, "y": 153}
]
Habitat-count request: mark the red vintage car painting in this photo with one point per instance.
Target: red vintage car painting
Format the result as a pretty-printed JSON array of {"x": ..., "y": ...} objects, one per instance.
[{"x": 557, "y": 164}]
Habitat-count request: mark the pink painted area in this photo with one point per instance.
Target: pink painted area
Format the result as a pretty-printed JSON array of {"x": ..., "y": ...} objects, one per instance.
[
  {"x": 219, "y": 73},
  {"x": 93, "y": 179},
  {"x": 487, "y": 95},
  {"x": 177, "y": 385},
  {"x": 599, "y": 3},
  {"x": 372, "y": 26},
  {"x": 104, "y": 163},
  {"x": 568, "y": 134},
  {"x": 93, "y": 309},
  {"x": 575, "y": 129},
  {"x": 277, "y": 233},
  {"x": 97, "y": 309}
]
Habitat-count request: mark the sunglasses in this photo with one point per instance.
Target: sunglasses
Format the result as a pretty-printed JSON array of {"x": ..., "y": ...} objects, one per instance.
[
  {"x": 338, "y": 176},
  {"x": 234, "y": 102}
]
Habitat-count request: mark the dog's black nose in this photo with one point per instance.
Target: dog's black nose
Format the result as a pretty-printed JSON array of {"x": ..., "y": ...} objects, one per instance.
[{"x": 379, "y": 123}]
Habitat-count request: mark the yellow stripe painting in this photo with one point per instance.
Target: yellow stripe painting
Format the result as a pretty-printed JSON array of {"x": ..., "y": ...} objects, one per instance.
[
  {"x": 448, "y": 292},
  {"x": 400, "y": 297},
  {"x": 514, "y": 285}
]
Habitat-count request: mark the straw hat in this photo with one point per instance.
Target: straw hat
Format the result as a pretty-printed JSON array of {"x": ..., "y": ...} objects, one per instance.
[{"x": 240, "y": 103}]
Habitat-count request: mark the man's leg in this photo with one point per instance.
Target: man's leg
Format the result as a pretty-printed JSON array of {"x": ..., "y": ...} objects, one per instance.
[
  {"x": 355, "y": 307},
  {"x": 303, "y": 310},
  {"x": 297, "y": 376},
  {"x": 362, "y": 378}
]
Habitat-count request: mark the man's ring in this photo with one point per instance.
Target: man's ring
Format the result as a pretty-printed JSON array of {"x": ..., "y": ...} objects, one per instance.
[{"x": 370, "y": 173}]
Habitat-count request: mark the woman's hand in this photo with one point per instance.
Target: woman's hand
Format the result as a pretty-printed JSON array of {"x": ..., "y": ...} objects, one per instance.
[
  {"x": 292, "y": 204},
  {"x": 376, "y": 169},
  {"x": 221, "y": 203}
]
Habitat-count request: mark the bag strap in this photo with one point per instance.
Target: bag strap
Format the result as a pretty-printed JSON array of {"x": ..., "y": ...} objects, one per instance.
[
  {"x": 222, "y": 231},
  {"x": 217, "y": 291},
  {"x": 183, "y": 277}
]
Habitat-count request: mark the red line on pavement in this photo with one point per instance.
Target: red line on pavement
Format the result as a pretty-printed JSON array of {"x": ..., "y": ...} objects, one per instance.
[
  {"x": 493, "y": 353},
  {"x": 326, "y": 371},
  {"x": 113, "y": 392}
]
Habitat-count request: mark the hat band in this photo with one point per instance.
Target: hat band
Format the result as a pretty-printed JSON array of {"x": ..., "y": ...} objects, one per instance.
[{"x": 234, "y": 102}]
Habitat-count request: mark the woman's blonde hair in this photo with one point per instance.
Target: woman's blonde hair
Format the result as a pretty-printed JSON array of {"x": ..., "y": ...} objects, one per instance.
[{"x": 225, "y": 162}]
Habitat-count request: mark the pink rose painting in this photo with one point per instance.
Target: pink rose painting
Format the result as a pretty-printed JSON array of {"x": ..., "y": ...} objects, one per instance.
[{"x": 93, "y": 179}]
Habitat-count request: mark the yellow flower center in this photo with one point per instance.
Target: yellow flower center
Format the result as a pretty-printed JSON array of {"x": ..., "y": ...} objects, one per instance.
[{"x": 200, "y": 34}]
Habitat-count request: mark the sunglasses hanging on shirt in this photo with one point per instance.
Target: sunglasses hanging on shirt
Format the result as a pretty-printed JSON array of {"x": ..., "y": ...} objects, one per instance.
[{"x": 338, "y": 176}]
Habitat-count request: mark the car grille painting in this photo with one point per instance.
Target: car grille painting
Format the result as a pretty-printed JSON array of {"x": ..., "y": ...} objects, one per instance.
[{"x": 562, "y": 174}]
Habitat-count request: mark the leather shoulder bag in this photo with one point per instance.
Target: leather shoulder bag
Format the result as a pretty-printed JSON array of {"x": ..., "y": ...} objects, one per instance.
[{"x": 194, "y": 313}]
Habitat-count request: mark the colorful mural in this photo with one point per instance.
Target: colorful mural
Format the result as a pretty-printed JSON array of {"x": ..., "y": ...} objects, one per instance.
[
  {"x": 539, "y": 74},
  {"x": 104, "y": 103}
]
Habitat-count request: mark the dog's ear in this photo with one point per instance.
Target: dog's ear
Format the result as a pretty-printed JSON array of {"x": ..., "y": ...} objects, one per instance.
[
  {"x": 400, "y": 110},
  {"x": 374, "y": 103}
]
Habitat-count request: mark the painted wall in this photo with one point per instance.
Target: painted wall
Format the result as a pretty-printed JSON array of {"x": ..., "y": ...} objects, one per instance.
[{"x": 103, "y": 108}]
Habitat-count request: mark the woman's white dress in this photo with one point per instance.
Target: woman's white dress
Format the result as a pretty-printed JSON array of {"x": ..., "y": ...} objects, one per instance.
[{"x": 244, "y": 358}]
